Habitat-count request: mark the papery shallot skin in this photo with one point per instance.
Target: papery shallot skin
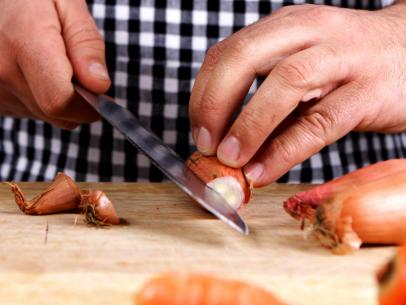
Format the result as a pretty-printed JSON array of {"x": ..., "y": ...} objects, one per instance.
[
  {"x": 61, "y": 196},
  {"x": 365, "y": 206}
]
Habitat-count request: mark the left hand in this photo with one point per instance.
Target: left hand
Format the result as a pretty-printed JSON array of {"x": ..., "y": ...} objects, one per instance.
[{"x": 329, "y": 71}]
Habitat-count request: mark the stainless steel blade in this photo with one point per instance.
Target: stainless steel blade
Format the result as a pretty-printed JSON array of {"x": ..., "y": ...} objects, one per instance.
[{"x": 164, "y": 158}]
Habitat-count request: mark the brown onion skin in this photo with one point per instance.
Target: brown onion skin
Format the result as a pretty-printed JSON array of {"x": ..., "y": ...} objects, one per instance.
[{"x": 209, "y": 168}]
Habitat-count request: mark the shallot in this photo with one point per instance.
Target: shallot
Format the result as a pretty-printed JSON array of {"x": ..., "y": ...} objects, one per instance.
[
  {"x": 97, "y": 208},
  {"x": 200, "y": 289},
  {"x": 365, "y": 206},
  {"x": 63, "y": 195},
  {"x": 392, "y": 280},
  {"x": 229, "y": 182}
]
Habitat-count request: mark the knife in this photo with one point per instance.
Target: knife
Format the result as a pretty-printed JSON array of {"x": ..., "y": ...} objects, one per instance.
[{"x": 163, "y": 157}]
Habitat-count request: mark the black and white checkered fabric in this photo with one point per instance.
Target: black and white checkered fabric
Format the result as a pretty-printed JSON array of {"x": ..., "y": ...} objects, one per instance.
[{"x": 154, "y": 50}]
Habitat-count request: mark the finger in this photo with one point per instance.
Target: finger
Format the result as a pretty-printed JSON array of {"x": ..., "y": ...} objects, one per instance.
[
  {"x": 32, "y": 110},
  {"x": 13, "y": 107},
  {"x": 229, "y": 70},
  {"x": 318, "y": 126},
  {"x": 216, "y": 50},
  {"x": 206, "y": 134},
  {"x": 16, "y": 92},
  {"x": 84, "y": 44},
  {"x": 48, "y": 72},
  {"x": 303, "y": 76}
]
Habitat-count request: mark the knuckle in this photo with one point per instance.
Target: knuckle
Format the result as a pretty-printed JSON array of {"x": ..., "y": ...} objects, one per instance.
[
  {"x": 292, "y": 9},
  {"x": 55, "y": 104},
  {"x": 318, "y": 12},
  {"x": 213, "y": 54},
  {"x": 236, "y": 46},
  {"x": 328, "y": 55},
  {"x": 294, "y": 74},
  {"x": 87, "y": 36},
  {"x": 29, "y": 53},
  {"x": 240, "y": 44},
  {"x": 326, "y": 15},
  {"x": 284, "y": 148},
  {"x": 210, "y": 103},
  {"x": 318, "y": 125},
  {"x": 329, "y": 52},
  {"x": 251, "y": 122},
  {"x": 284, "y": 10}
]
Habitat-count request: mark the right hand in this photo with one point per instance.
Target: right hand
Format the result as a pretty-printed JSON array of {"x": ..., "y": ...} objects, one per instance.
[{"x": 43, "y": 44}]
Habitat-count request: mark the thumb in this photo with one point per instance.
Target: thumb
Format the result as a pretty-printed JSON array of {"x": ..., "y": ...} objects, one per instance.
[{"x": 84, "y": 45}]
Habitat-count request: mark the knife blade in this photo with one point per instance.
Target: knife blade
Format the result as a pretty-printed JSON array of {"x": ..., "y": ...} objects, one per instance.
[{"x": 163, "y": 157}]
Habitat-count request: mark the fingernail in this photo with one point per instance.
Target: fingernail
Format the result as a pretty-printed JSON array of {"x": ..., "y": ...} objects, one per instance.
[
  {"x": 99, "y": 70},
  {"x": 229, "y": 150},
  {"x": 254, "y": 171},
  {"x": 203, "y": 141},
  {"x": 316, "y": 93}
]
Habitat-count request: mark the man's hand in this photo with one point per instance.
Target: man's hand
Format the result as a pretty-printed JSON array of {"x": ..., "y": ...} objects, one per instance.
[
  {"x": 43, "y": 43},
  {"x": 329, "y": 71}
]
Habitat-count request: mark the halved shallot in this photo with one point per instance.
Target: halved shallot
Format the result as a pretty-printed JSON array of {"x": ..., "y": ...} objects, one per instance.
[
  {"x": 98, "y": 208},
  {"x": 365, "y": 206},
  {"x": 227, "y": 181}
]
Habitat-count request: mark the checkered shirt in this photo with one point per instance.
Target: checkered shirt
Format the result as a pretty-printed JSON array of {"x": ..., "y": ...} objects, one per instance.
[{"x": 154, "y": 51}]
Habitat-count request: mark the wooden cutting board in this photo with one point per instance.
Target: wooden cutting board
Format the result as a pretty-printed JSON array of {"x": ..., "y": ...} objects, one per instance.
[{"x": 51, "y": 260}]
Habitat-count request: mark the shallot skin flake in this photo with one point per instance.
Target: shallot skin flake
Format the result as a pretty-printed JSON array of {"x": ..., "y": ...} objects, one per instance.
[{"x": 63, "y": 195}]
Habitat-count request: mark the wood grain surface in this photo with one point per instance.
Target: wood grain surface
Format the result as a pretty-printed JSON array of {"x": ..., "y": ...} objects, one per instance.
[{"x": 51, "y": 260}]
